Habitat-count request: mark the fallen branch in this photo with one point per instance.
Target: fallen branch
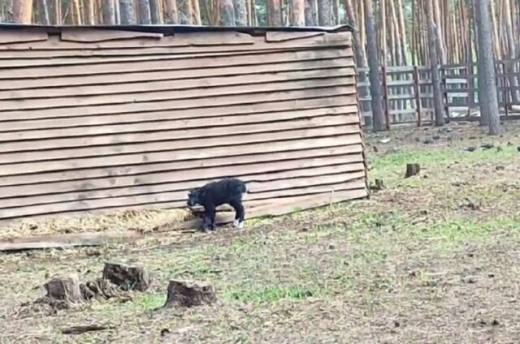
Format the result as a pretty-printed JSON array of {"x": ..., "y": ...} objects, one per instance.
[{"x": 86, "y": 328}]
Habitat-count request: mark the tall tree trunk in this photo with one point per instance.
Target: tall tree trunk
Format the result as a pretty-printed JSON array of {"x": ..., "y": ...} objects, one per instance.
[
  {"x": 197, "y": 20},
  {"x": 489, "y": 105},
  {"x": 309, "y": 15},
  {"x": 22, "y": 11},
  {"x": 274, "y": 13},
  {"x": 438, "y": 32},
  {"x": 173, "y": 13},
  {"x": 240, "y": 12},
  {"x": 402, "y": 31},
  {"x": 126, "y": 8},
  {"x": 109, "y": 13},
  {"x": 155, "y": 12},
  {"x": 373, "y": 62},
  {"x": 335, "y": 11},
  {"x": 297, "y": 13},
  {"x": 89, "y": 12},
  {"x": 44, "y": 13},
  {"x": 359, "y": 53},
  {"x": 187, "y": 13},
  {"x": 227, "y": 13},
  {"x": 76, "y": 12},
  {"x": 324, "y": 14},
  {"x": 117, "y": 9},
  {"x": 144, "y": 12},
  {"x": 511, "y": 48},
  {"x": 434, "y": 64}
]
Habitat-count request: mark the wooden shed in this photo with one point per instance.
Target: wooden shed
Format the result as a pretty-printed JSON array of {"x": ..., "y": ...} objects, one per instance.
[{"x": 100, "y": 119}]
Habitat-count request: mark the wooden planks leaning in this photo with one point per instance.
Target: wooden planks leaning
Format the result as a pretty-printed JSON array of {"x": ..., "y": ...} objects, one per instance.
[{"x": 95, "y": 120}]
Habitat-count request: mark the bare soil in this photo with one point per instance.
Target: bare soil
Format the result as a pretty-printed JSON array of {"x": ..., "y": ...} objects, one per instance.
[{"x": 433, "y": 258}]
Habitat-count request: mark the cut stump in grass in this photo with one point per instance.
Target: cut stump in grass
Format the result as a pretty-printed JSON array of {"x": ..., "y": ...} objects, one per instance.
[
  {"x": 127, "y": 277},
  {"x": 66, "y": 288},
  {"x": 181, "y": 294},
  {"x": 378, "y": 185},
  {"x": 412, "y": 170}
]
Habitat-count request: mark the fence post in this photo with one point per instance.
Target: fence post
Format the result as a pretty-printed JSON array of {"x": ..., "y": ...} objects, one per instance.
[
  {"x": 507, "y": 87},
  {"x": 387, "y": 101},
  {"x": 445, "y": 94},
  {"x": 417, "y": 90}
]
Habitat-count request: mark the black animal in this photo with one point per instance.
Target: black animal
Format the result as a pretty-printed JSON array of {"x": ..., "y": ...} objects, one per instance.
[{"x": 211, "y": 195}]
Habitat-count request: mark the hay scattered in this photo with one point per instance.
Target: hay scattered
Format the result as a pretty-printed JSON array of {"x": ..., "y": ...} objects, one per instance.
[{"x": 144, "y": 221}]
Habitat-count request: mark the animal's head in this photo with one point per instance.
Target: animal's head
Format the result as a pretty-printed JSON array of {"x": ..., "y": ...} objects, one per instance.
[{"x": 194, "y": 197}]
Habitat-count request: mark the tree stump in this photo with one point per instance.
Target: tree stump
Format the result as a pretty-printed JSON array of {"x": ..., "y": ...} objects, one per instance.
[
  {"x": 182, "y": 295},
  {"x": 412, "y": 170},
  {"x": 378, "y": 185},
  {"x": 127, "y": 277},
  {"x": 65, "y": 288}
]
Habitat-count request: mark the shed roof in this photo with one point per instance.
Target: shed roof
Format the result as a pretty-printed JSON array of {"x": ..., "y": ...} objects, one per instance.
[{"x": 172, "y": 29}]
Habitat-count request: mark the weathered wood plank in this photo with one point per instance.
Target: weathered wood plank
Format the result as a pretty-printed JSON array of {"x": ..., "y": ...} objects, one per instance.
[
  {"x": 25, "y": 195},
  {"x": 180, "y": 75},
  {"x": 68, "y": 240},
  {"x": 350, "y": 113},
  {"x": 156, "y": 117},
  {"x": 324, "y": 150},
  {"x": 185, "y": 43},
  {"x": 287, "y": 36},
  {"x": 256, "y": 103},
  {"x": 178, "y": 134},
  {"x": 158, "y": 96},
  {"x": 177, "y": 64},
  {"x": 201, "y": 142},
  {"x": 337, "y": 182},
  {"x": 170, "y": 85},
  {"x": 89, "y": 35},
  {"x": 298, "y": 142},
  {"x": 22, "y": 36}
]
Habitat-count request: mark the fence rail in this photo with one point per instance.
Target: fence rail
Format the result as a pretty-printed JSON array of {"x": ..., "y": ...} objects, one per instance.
[{"x": 408, "y": 91}]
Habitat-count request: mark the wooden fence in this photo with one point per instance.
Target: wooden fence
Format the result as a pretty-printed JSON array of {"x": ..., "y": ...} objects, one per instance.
[
  {"x": 408, "y": 91},
  {"x": 101, "y": 120}
]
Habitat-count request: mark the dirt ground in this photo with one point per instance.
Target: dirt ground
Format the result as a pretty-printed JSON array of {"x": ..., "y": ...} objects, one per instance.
[{"x": 430, "y": 259}]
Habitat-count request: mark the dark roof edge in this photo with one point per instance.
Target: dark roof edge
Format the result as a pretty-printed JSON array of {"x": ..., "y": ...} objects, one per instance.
[{"x": 171, "y": 29}]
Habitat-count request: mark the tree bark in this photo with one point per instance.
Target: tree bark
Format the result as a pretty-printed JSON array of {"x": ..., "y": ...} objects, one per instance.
[
  {"x": 511, "y": 48},
  {"x": 359, "y": 52},
  {"x": 44, "y": 13},
  {"x": 240, "y": 12},
  {"x": 155, "y": 12},
  {"x": 434, "y": 64},
  {"x": 274, "y": 13},
  {"x": 126, "y": 8},
  {"x": 22, "y": 11},
  {"x": 297, "y": 13},
  {"x": 89, "y": 12},
  {"x": 489, "y": 107},
  {"x": 309, "y": 20},
  {"x": 144, "y": 12},
  {"x": 227, "y": 13},
  {"x": 187, "y": 13},
  {"x": 197, "y": 20},
  {"x": 373, "y": 62},
  {"x": 109, "y": 13},
  {"x": 324, "y": 15},
  {"x": 173, "y": 13},
  {"x": 335, "y": 11}
]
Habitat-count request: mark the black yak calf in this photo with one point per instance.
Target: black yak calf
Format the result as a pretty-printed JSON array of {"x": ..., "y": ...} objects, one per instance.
[{"x": 211, "y": 195}]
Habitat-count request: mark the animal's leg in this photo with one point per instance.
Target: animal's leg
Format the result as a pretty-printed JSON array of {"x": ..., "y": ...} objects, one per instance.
[
  {"x": 209, "y": 212},
  {"x": 240, "y": 213}
]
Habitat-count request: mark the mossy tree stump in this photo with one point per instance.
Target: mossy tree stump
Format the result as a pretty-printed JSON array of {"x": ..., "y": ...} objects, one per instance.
[
  {"x": 127, "y": 277},
  {"x": 66, "y": 288},
  {"x": 181, "y": 294},
  {"x": 412, "y": 170}
]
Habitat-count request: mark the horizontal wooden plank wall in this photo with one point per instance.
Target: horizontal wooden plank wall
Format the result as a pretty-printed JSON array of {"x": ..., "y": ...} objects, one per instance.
[{"x": 98, "y": 121}]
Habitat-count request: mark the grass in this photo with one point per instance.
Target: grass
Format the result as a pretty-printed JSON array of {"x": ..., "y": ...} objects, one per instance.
[{"x": 431, "y": 259}]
